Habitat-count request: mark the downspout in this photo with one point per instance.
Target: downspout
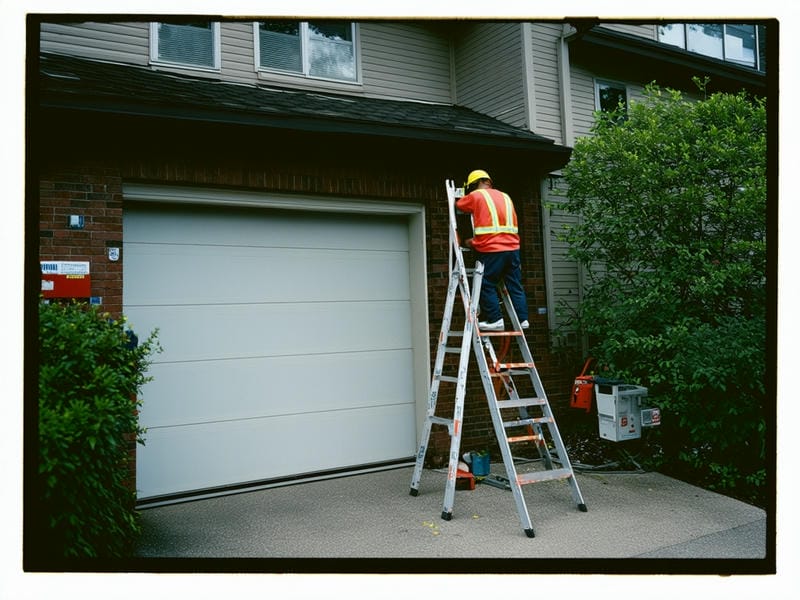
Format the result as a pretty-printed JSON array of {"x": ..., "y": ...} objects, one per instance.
[
  {"x": 528, "y": 74},
  {"x": 565, "y": 84}
]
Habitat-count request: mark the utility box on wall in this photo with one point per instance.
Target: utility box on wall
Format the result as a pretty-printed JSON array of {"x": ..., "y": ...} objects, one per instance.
[
  {"x": 622, "y": 411},
  {"x": 66, "y": 279}
]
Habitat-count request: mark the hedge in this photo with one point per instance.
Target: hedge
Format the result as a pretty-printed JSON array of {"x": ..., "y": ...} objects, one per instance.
[{"x": 90, "y": 371}]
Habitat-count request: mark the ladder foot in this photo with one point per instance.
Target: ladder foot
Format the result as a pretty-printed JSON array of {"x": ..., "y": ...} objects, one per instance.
[
  {"x": 414, "y": 492},
  {"x": 529, "y": 533},
  {"x": 582, "y": 508},
  {"x": 447, "y": 515}
]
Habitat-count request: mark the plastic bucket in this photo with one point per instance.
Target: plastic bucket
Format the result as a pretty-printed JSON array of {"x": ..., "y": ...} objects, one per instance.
[{"x": 480, "y": 464}]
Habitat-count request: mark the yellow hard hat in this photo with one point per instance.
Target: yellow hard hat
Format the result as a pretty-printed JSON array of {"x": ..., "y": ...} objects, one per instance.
[{"x": 476, "y": 175}]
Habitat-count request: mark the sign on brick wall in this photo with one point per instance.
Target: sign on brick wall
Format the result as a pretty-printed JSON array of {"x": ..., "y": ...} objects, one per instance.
[{"x": 65, "y": 279}]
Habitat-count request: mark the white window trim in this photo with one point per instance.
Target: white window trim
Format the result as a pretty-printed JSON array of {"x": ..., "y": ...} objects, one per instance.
[
  {"x": 290, "y": 76},
  {"x": 154, "y": 60},
  {"x": 611, "y": 83}
]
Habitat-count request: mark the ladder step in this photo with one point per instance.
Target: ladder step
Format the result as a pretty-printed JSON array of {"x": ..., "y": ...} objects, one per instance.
[
  {"x": 441, "y": 421},
  {"x": 448, "y": 378},
  {"x": 452, "y": 349},
  {"x": 524, "y": 438},
  {"x": 519, "y": 365},
  {"x": 500, "y": 333},
  {"x": 537, "y": 476},
  {"x": 519, "y": 402},
  {"x": 509, "y": 372},
  {"x": 524, "y": 422}
]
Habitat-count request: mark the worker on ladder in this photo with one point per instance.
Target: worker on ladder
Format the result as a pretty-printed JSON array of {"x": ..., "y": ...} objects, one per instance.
[{"x": 496, "y": 242}]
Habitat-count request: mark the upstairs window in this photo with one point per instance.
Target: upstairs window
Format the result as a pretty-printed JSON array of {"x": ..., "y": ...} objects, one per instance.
[
  {"x": 610, "y": 96},
  {"x": 737, "y": 43},
  {"x": 319, "y": 49},
  {"x": 740, "y": 44},
  {"x": 193, "y": 44}
]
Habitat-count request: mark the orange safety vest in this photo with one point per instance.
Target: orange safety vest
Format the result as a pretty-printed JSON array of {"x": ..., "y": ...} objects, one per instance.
[{"x": 494, "y": 220}]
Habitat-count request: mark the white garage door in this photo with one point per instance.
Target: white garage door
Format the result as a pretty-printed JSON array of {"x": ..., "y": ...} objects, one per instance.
[{"x": 286, "y": 337}]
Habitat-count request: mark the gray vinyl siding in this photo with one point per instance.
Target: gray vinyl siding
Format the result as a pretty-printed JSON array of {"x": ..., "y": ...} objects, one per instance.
[
  {"x": 546, "y": 83},
  {"x": 405, "y": 61},
  {"x": 582, "y": 90},
  {"x": 564, "y": 274},
  {"x": 646, "y": 31},
  {"x": 117, "y": 42},
  {"x": 238, "y": 52},
  {"x": 489, "y": 71},
  {"x": 401, "y": 61}
]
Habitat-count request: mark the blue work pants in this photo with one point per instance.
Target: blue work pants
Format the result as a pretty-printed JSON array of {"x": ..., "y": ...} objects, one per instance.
[{"x": 502, "y": 267}]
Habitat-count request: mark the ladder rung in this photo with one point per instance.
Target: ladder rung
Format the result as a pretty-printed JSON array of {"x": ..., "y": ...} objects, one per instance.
[
  {"x": 537, "y": 476},
  {"x": 521, "y": 402},
  {"x": 448, "y": 378},
  {"x": 452, "y": 350},
  {"x": 509, "y": 372},
  {"x": 441, "y": 421},
  {"x": 524, "y": 438},
  {"x": 530, "y": 421},
  {"x": 507, "y": 366},
  {"x": 499, "y": 333}
]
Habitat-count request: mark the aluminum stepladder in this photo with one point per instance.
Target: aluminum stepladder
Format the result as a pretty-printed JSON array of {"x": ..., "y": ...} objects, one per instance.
[{"x": 495, "y": 374}]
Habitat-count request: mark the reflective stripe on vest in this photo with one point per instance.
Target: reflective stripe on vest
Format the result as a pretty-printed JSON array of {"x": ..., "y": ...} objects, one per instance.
[{"x": 495, "y": 227}]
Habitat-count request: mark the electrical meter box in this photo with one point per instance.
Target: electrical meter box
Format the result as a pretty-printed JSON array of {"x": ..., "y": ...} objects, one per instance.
[{"x": 622, "y": 411}]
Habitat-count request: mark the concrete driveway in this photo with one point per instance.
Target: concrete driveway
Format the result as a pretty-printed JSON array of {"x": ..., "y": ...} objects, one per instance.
[{"x": 636, "y": 522}]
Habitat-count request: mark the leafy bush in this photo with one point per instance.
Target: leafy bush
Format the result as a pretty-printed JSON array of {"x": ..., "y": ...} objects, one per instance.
[
  {"x": 90, "y": 371},
  {"x": 672, "y": 199}
]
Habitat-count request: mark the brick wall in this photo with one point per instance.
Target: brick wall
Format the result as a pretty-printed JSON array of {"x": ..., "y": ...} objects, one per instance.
[{"x": 95, "y": 192}]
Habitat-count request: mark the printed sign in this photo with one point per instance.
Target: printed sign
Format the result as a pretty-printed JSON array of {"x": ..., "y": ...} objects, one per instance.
[{"x": 65, "y": 279}]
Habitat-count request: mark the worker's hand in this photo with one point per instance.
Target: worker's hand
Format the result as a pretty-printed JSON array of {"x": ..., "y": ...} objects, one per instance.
[{"x": 468, "y": 243}]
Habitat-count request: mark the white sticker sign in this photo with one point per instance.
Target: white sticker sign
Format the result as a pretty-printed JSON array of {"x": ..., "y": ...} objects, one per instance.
[{"x": 60, "y": 267}]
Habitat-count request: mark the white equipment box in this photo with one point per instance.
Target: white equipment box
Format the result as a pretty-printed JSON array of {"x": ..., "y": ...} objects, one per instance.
[{"x": 621, "y": 413}]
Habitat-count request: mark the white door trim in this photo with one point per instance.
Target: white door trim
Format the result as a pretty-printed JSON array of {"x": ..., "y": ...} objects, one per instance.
[{"x": 191, "y": 195}]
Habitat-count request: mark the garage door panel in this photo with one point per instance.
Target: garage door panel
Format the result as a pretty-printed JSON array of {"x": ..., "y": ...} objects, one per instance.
[
  {"x": 215, "y": 275},
  {"x": 264, "y": 227},
  {"x": 196, "y": 333},
  {"x": 196, "y": 457},
  {"x": 287, "y": 342},
  {"x": 275, "y": 386}
]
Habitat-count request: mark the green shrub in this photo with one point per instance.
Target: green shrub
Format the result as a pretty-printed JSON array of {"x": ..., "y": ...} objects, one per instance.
[
  {"x": 89, "y": 375},
  {"x": 673, "y": 238}
]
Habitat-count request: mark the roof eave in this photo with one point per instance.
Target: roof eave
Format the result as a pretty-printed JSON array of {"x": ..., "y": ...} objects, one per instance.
[
  {"x": 606, "y": 44},
  {"x": 305, "y": 123}
]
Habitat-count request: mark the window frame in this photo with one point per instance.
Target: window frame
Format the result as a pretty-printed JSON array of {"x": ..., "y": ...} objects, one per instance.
[
  {"x": 276, "y": 73},
  {"x": 598, "y": 82},
  {"x": 216, "y": 49},
  {"x": 758, "y": 59}
]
